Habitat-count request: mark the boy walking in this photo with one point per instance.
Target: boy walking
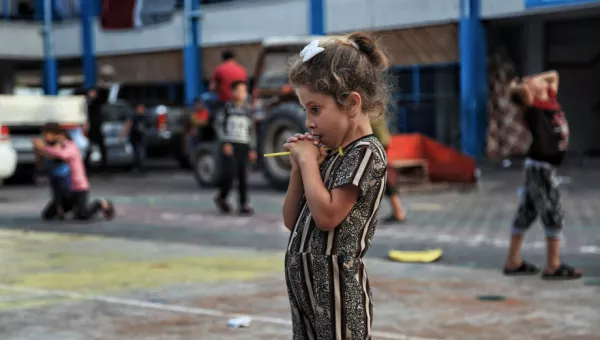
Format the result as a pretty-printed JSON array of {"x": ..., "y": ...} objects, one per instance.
[
  {"x": 550, "y": 136},
  {"x": 135, "y": 128},
  {"x": 236, "y": 134}
]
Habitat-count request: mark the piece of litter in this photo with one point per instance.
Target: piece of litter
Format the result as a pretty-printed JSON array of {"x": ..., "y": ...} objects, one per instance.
[
  {"x": 491, "y": 298},
  {"x": 242, "y": 321}
]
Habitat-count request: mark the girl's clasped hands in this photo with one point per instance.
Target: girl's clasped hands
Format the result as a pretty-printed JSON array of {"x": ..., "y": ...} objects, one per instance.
[{"x": 304, "y": 148}]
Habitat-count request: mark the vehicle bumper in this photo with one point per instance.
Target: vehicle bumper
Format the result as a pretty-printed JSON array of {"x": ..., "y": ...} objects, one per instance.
[
  {"x": 117, "y": 155},
  {"x": 159, "y": 139},
  {"x": 8, "y": 155}
]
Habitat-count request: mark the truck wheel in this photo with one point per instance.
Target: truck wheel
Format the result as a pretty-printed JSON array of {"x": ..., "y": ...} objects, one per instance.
[
  {"x": 206, "y": 166},
  {"x": 276, "y": 132}
]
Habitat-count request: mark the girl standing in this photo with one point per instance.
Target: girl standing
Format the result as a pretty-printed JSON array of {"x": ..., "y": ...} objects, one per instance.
[
  {"x": 332, "y": 203},
  {"x": 57, "y": 145}
]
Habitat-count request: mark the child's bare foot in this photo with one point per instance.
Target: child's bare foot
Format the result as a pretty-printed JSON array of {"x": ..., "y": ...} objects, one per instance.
[{"x": 108, "y": 209}]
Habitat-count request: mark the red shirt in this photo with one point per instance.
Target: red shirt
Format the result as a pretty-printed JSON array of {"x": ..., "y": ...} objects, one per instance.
[
  {"x": 201, "y": 115},
  {"x": 226, "y": 74}
]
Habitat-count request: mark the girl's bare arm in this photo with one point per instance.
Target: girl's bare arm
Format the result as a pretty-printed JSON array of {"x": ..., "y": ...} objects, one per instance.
[
  {"x": 328, "y": 209},
  {"x": 551, "y": 77},
  {"x": 524, "y": 91},
  {"x": 292, "y": 199}
]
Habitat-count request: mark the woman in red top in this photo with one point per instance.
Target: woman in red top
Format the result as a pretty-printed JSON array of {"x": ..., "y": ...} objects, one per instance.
[{"x": 56, "y": 144}]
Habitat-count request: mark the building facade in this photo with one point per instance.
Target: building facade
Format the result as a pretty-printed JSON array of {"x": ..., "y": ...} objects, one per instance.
[{"x": 436, "y": 48}]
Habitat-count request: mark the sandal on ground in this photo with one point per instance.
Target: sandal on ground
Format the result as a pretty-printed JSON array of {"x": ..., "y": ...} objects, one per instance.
[
  {"x": 393, "y": 219},
  {"x": 564, "y": 272},
  {"x": 525, "y": 268},
  {"x": 222, "y": 205},
  {"x": 246, "y": 210}
]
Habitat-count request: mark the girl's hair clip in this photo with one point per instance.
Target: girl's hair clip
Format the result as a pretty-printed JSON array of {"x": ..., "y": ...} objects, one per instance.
[
  {"x": 311, "y": 50},
  {"x": 354, "y": 45}
]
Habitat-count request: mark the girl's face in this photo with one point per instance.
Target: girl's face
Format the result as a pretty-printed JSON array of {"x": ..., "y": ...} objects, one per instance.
[{"x": 324, "y": 118}]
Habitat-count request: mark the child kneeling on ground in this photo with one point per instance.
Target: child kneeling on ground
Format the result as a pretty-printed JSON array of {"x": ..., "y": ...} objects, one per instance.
[{"x": 66, "y": 150}]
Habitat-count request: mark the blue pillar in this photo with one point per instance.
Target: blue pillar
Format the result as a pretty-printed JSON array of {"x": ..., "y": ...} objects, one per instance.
[
  {"x": 5, "y": 7},
  {"x": 87, "y": 44},
  {"x": 50, "y": 68},
  {"x": 481, "y": 80},
  {"x": 473, "y": 79},
  {"x": 316, "y": 17},
  {"x": 192, "y": 66}
]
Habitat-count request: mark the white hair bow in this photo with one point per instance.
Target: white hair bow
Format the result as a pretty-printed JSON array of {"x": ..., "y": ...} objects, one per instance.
[{"x": 311, "y": 50}]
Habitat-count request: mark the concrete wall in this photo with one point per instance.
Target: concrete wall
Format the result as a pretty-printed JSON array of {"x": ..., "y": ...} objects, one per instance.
[{"x": 244, "y": 22}]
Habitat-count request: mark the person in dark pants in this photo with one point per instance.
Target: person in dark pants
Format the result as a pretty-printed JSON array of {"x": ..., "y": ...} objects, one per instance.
[
  {"x": 56, "y": 145},
  {"x": 236, "y": 133},
  {"x": 135, "y": 128},
  {"x": 96, "y": 98}
]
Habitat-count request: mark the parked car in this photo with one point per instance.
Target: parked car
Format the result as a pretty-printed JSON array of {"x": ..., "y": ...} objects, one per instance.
[
  {"x": 163, "y": 131},
  {"x": 163, "y": 126},
  {"x": 119, "y": 150},
  {"x": 8, "y": 155}
]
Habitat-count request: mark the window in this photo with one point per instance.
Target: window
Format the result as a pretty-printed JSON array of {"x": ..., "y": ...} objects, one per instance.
[{"x": 425, "y": 101}]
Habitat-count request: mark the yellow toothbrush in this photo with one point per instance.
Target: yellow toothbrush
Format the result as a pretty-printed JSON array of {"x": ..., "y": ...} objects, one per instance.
[{"x": 285, "y": 153}]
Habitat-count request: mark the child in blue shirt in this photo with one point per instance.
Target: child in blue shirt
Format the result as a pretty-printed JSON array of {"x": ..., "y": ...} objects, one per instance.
[{"x": 59, "y": 176}]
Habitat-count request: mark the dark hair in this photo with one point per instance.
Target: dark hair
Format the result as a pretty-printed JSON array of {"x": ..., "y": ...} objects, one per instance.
[
  {"x": 56, "y": 129},
  {"x": 237, "y": 83},
  {"x": 227, "y": 54},
  {"x": 517, "y": 99},
  {"x": 353, "y": 63}
]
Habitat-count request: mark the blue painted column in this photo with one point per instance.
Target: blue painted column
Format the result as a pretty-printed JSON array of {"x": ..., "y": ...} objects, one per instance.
[
  {"x": 50, "y": 67},
  {"x": 192, "y": 65},
  {"x": 473, "y": 79},
  {"x": 316, "y": 17},
  {"x": 5, "y": 9},
  {"x": 481, "y": 89},
  {"x": 87, "y": 44}
]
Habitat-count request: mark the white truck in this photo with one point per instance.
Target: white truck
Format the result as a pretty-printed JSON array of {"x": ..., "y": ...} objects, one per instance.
[{"x": 24, "y": 116}]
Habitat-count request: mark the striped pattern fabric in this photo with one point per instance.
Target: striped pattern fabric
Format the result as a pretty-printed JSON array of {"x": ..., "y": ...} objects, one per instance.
[{"x": 327, "y": 282}]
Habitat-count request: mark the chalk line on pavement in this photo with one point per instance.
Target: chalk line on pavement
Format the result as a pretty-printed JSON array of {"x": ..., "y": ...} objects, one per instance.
[{"x": 179, "y": 308}]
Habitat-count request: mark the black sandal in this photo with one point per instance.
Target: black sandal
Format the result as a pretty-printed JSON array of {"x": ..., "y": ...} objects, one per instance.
[
  {"x": 246, "y": 211},
  {"x": 525, "y": 268},
  {"x": 224, "y": 208},
  {"x": 563, "y": 272}
]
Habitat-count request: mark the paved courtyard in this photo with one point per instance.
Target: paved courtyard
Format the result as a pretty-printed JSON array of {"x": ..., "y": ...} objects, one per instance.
[{"x": 169, "y": 267}]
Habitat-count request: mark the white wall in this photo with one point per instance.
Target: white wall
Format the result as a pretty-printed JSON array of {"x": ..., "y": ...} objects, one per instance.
[
  {"x": 20, "y": 40},
  {"x": 246, "y": 21}
]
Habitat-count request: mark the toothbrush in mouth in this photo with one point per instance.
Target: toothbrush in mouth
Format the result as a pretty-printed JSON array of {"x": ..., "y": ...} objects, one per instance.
[{"x": 285, "y": 153}]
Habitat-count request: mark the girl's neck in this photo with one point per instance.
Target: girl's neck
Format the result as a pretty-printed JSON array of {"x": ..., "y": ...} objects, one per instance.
[{"x": 360, "y": 129}]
